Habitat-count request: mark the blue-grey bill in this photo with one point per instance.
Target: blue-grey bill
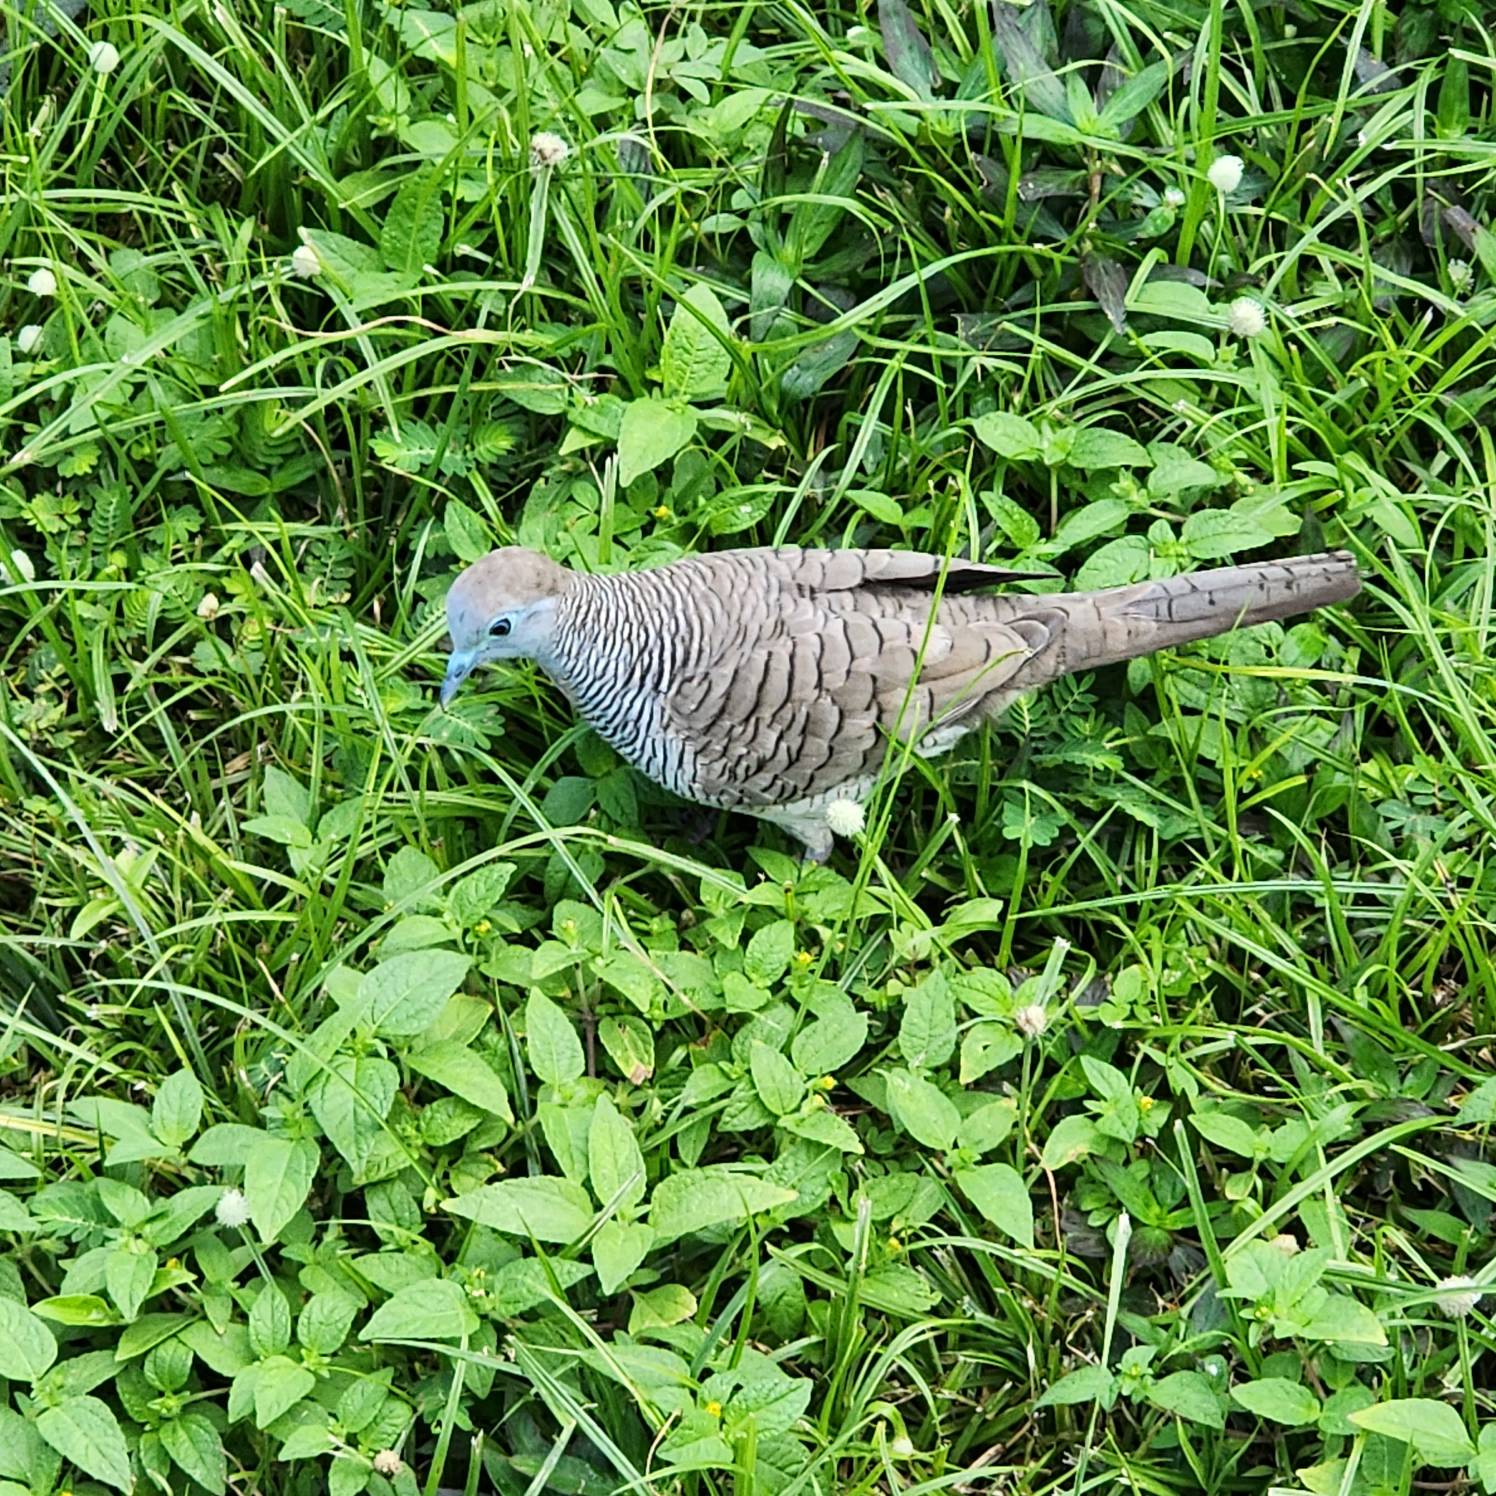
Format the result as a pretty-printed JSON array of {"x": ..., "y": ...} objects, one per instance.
[{"x": 459, "y": 667}]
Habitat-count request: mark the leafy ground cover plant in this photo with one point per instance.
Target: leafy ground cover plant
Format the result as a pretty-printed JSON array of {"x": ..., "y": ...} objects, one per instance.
[{"x": 404, "y": 1101}]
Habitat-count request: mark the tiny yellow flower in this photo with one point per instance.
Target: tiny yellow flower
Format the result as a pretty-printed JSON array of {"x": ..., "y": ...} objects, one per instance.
[
  {"x": 661, "y": 511},
  {"x": 714, "y": 1409},
  {"x": 1145, "y": 1103},
  {"x": 483, "y": 927},
  {"x": 803, "y": 959},
  {"x": 895, "y": 1245},
  {"x": 827, "y": 1083}
]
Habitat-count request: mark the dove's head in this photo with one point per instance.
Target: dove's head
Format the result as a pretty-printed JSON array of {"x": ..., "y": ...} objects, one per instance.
[{"x": 503, "y": 607}]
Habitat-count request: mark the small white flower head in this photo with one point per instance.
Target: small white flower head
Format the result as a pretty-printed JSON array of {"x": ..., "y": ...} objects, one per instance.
[
  {"x": 1246, "y": 317},
  {"x": 207, "y": 609},
  {"x": 103, "y": 57},
  {"x": 387, "y": 1462},
  {"x": 1286, "y": 1243},
  {"x": 42, "y": 282},
  {"x": 845, "y": 817},
  {"x": 232, "y": 1209},
  {"x": 1032, "y": 1020},
  {"x": 305, "y": 261},
  {"x": 1225, "y": 173},
  {"x": 1460, "y": 275},
  {"x": 902, "y": 1447},
  {"x": 29, "y": 336},
  {"x": 1173, "y": 197},
  {"x": 1458, "y": 1297},
  {"x": 547, "y": 151}
]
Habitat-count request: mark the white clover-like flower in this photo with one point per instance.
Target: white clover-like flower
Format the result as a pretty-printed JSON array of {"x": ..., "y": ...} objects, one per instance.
[
  {"x": 1225, "y": 173},
  {"x": 1174, "y": 197},
  {"x": 547, "y": 151},
  {"x": 1247, "y": 317},
  {"x": 305, "y": 261},
  {"x": 1460, "y": 275},
  {"x": 103, "y": 57},
  {"x": 207, "y": 609},
  {"x": 232, "y": 1209},
  {"x": 387, "y": 1462},
  {"x": 845, "y": 817},
  {"x": 1032, "y": 1020},
  {"x": 29, "y": 336},
  {"x": 1458, "y": 1296},
  {"x": 902, "y": 1447},
  {"x": 41, "y": 282}
]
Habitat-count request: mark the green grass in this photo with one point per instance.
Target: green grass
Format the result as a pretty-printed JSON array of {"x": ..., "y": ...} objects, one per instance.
[{"x": 374, "y": 1079}]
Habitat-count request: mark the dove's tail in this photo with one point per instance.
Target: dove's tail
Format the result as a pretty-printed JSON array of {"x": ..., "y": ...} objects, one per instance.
[{"x": 1120, "y": 623}]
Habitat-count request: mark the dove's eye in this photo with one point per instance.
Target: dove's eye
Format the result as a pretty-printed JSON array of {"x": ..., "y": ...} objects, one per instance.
[{"x": 498, "y": 628}]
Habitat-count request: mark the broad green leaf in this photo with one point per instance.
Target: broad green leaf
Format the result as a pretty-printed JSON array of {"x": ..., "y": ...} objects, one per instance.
[
  {"x": 1090, "y": 1384},
  {"x": 653, "y": 431},
  {"x": 769, "y": 952},
  {"x": 999, "y": 1192},
  {"x": 519, "y": 1286},
  {"x": 821, "y": 1125},
  {"x": 1341, "y": 1318},
  {"x": 196, "y": 1449},
  {"x": 1089, "y": 522},
  {"x": 614, "y": 1162},
  {"x": 350, "y": 1101},
  {"x": 698, "y": 1199},
  {"x": 909, "y": 56},
  {"x": 549, "y": 1209},
  {"x": 985, "y": 1046},
  {"x": 1434, "y": 1429},
  {"x": 29, "y": 1346},
  {"x": 1227, "y": 1132},
  {"x": 923, "y": 1110},
  {"x": 177, "y": 1109},
  {"x": 464, "y": 1073},
  {"x": 405, "y": 993},
  {"x": 1189, "y": 1395},
  {"x": 1135, "y": 95},
  {"x": 1278, "y": 1400},
  {"x": 927, "y": 1031},
  {"x": 13, "y": 1215},
  {"x": 1072, "y": 1138},
  {"x": 128, "y": 1276},
  {"x": 277, "y": 1179},
  {"x": 695, "y": 361},
  {"x": 325, "y": 1320},
  {"x": 1009, "y": 435},
  {"x": 831, "y": 1041},
  {"x": 1094, "y": 447},
  {"x": 411, "y": 237},
  {"x": 469, "y": 540},
  {"x": 551, "y": 1042},
  {"x": 436, "y": 1309},
  {"x": 84, "y": 1431},
  {"x": 269, "y": 1322},
  {"x": 279, "y": 1384},
  {"x": 617, "y": 1251},
  {"x": 777, "y": 1082},
  {"x": 630, "y": 1045},
  {"x": 1213, "y": 534}
]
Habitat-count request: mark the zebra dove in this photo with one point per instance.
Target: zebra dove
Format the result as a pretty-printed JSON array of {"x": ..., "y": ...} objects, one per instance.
[{"x": 773, "y": 682}]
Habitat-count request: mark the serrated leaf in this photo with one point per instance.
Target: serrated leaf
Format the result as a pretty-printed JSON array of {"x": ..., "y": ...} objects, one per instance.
[
  {"x": 405, "y": 993},
  {"x": 927, "y": 1031},
  {"x": 923, "y": 1110},
  {"x": 695, "y": 361},
  {"x": 1089, "y": 1384},
  {"x": 615, "y": 1164},
  {"x": 777, "y": 1082},
  {"x": 769, "y": 953},
  {"x": 464, "y": 1073},
  {"x": 278, "y": 1177},
  {"x": 653, "y": 431},
  {"x": 435, "y": 1309},
  {"x": 549, "y": 1209},
  {"x": 350, "y": 1101},
  {"x": 1096, "y": 448},
  {"x": 1009, "y": 435},
  {"x": 84, "y": 1431},
  {"x": 551, "y": 1042},
  {"x": 999, "y": 1192},
  {"x": 1278, "y": 1400},
  {"x": 30, "y": 1346},
  {"x": 196, "y": 1450},
  {"x": 1434, "y": 1429},
  {"x": 1189, "y": 1395},
  {"x": 833, "y": 1040},
  {"x": 411, "y": 237},
  {"x": 1072, "y": 1138},
  {"x": 618, "y": 1249},
  {"x": 698, "y": 1199},
  {"x": 177, "y": 1109}
]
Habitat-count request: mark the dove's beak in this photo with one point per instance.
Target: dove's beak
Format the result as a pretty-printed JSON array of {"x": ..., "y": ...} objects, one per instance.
[{"x": 459, "y": 667}]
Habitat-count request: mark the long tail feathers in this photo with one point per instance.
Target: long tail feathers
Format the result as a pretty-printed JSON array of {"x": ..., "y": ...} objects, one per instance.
[{"x": 1105, "y": 628}]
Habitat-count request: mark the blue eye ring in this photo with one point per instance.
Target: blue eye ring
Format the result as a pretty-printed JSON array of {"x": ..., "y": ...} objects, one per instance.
[{"x": 498, "y": 628}]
